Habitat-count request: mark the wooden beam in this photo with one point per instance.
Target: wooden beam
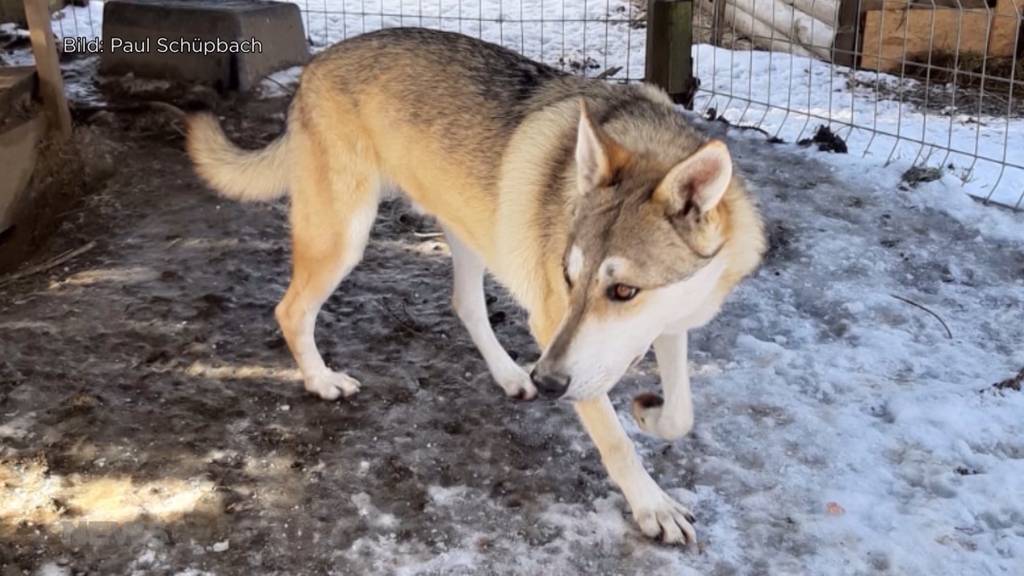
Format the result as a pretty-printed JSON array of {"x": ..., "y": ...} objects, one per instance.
[
  {"x": 17, "y": 87},
  {"x": 847, "y": 44},
  {"x": 51, "y": 84},
  {"x": 669, "y": 41},
  {"x": 868, "y": 5}
]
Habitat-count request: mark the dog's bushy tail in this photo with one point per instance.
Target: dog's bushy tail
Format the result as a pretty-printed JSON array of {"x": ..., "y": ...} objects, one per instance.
[{"x": 246, "y": 175}]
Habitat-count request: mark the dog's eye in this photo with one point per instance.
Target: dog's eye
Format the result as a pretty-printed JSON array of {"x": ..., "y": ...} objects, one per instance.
[{"x": 622, "y": 292}]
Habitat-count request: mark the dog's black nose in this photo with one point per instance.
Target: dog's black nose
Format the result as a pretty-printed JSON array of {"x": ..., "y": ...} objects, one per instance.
[{"x": 550, "y": 384}]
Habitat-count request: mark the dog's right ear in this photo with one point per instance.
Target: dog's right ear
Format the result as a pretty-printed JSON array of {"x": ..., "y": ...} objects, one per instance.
[
  {"x": 699, "y": 182},
  {"x": 598, "y": 156}
]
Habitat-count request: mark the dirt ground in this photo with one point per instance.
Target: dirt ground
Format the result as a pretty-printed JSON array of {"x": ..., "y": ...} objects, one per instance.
[
  {"x": 151, "y": 420},
  {"x": 149, "y": 376}
]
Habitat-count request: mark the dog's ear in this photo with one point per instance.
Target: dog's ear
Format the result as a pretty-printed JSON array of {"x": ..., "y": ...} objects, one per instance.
[
  {"x": 598, "y": 156},
  {"x": 699, "y": 182}
]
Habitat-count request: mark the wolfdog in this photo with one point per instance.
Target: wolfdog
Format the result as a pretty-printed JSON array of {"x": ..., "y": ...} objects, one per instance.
[{"x": 608, "y": 217}]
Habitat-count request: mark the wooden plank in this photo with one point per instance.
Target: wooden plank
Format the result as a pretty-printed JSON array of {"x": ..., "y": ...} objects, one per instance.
[
  {"x": 51, "y": 84},
  {"x": 892, "y": 36},
  {"x": 1004, "y": 37},
  {"x": 717, "y": 21},
  {"x": 17, "y": 85},
  {"x": 847, "y": 42},
  {"x": 18, "y": 148},
  {"x": 868, "y": 5}
]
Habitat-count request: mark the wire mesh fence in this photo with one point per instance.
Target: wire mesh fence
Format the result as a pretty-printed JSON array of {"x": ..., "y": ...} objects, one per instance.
[
  {"x": 588, "y": 37},
  {"x": 936, "y": 83}
]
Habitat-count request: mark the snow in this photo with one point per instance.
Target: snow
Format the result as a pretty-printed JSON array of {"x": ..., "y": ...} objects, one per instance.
[
  {"x": 51, "y": 569},
  {"x": 756, "y": 89},
  {"x": 221, "y": 546},
  {"x": 786, "y": 95},
  {"x": 566, "y": 34},
  {"x": 839, "y": 429},
  {"x": 882, "y": 413}
]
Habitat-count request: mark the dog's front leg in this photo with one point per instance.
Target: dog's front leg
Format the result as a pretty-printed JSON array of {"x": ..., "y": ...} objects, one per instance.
[
  {"x": 471, "y": 307},
  {"x": 670, "y": 417},
  {"x": 658, "y": 515}
]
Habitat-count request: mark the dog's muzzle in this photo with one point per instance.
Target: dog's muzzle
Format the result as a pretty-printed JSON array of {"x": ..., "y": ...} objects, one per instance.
[{"x": 551, "y": 385}]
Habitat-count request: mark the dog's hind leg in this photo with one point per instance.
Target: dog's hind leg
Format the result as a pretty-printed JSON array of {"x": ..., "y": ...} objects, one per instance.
[
  {"x": 333, "y": 209},
  {"x": 471, "y": 307}
]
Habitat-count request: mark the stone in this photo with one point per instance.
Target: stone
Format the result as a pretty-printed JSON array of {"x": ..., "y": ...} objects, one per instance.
[{"x": 229, "y": 44}]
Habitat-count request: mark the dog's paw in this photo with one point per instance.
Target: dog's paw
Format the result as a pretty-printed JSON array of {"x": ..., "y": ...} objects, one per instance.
[
  {"x": 517, "y": 384},
  {"x": 332, "y": 385},
  {"x": 666, "y": 520},
  {"x": 649, "y": 416}
]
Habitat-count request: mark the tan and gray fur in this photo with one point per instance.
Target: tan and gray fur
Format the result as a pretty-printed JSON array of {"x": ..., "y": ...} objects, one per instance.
[{"x": 612, "y": 221}]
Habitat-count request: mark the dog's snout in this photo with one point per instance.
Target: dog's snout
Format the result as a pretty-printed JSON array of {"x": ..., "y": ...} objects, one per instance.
[{"x": 550, "y": 384}]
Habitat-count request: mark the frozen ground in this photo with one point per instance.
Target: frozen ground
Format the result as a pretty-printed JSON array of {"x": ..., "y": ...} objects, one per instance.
[
  {"x": 878, "y": 115},
  {"x": 151, "y": 421}
]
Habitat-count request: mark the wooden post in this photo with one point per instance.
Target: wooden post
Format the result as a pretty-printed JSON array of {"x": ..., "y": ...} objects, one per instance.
[
  {"x": 847, "y": 43},
  {"x": 669, "y": 41},
  {"x": 51, "y": 84}
]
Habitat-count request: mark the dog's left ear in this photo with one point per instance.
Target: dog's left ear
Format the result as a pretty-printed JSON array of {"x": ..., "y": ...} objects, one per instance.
[
  {"x": 699, "y": 182},
  {"x": 598, "y": 156}
]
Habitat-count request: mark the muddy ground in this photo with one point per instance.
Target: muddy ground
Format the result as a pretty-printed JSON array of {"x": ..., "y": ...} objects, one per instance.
[
  {"x": 151, "y": 421},
  {"x": 150, "y": 368}
]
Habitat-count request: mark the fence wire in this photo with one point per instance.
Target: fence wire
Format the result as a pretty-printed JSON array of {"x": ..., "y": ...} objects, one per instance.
[
  {"x": 937, "y": 83},
  {"x": 588, "y": 37},
  {"x": 934, "y": 82}
]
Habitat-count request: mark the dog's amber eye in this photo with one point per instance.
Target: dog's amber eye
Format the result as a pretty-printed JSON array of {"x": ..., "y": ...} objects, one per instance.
[{"x": 622, "y": 292}]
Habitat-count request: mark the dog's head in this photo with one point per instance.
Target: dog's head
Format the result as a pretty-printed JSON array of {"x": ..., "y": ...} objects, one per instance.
[{"x": 643, "y": 257}]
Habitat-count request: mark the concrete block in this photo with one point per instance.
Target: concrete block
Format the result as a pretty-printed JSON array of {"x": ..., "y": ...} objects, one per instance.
[{"x": 230, "y": 44}]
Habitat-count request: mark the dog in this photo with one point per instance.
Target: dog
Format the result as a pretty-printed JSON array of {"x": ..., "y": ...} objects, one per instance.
[{"x": 609, "y": 218}]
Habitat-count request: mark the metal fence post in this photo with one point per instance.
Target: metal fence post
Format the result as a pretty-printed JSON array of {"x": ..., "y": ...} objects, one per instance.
[{"x": 669, "y": 39}]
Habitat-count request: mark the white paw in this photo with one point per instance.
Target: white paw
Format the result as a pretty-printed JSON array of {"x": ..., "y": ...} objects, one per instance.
[
  {"x": 516, "y": 383},
  {"x": 331, "y": 385},
  {"x": 649, "y": 416},
  {"x": 666, "y": 520}
]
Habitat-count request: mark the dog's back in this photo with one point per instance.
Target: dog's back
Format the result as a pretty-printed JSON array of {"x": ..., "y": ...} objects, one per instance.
[
  {"x": 434, "y": 113},
  {"x": 432, "y": 93}
]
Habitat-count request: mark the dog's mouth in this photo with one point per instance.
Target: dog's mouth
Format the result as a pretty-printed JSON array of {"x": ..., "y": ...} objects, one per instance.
[{"x": 572, "y": 396}]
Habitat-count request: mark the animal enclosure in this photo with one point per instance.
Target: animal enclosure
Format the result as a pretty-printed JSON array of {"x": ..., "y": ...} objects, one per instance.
[
  {"x": 857, "y": 401},
  {"x": 937, "y": 84}
]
